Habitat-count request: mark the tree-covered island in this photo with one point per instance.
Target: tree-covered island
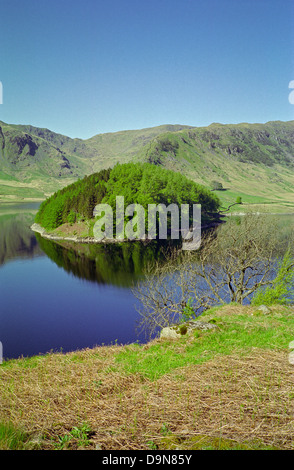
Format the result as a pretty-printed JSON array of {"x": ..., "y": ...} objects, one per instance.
[{"x": 70, "y": 210}]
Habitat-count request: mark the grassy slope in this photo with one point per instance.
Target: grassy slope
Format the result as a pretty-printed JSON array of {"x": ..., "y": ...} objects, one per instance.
[
  {"x": 234, "y": 155},
  {"x": 32, "y": 165},
  {"x": 254, "y": 161},
  {"x": 60, "y": 160},
  {"x": 226, "y": 388}
]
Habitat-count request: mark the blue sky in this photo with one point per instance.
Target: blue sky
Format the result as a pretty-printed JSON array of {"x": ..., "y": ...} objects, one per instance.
[{"x": 86, "y": 67}]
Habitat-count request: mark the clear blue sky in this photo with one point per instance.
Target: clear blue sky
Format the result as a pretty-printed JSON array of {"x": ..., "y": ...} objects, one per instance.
[{"x": 93, "y": 66}]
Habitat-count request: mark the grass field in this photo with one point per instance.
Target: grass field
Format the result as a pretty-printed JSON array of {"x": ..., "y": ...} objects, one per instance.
[
  {"x": 255, "y": 203},
  {"x": 227, "y": 388},
  {"x": 36, "y": 189}
]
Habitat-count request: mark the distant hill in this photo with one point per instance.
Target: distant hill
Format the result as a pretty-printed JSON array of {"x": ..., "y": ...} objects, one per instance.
[
  {"x": 246, "y": 159},
  {"x": 254, "y": 159},
  {"x": 38, "y": 161}
]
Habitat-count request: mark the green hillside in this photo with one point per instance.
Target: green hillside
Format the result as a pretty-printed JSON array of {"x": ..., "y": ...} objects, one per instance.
[
  {"x": 36, "y": 162},
  {"x": 255, "y": 161},
  {"x": 252, "y": 161}
]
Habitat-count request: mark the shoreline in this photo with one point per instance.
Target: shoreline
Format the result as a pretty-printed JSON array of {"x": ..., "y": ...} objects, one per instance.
[
  {"x": 76, "y": 239},
  {"x": 21, "y": 200}
]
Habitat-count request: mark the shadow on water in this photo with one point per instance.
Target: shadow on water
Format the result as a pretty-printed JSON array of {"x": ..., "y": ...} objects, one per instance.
[{"x": 116, "y": 264}]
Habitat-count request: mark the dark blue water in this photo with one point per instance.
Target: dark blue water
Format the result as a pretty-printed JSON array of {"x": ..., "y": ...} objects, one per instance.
[
  {"x": 57, "y": 300},
  {"x": 64, "y": 298}
]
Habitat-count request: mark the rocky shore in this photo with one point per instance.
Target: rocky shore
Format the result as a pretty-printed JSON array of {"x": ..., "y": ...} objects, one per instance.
[{"x": 75, "y": 238}]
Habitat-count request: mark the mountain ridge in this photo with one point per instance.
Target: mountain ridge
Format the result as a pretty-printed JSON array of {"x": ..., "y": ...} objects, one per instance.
[{"x": 241, "y": 156}]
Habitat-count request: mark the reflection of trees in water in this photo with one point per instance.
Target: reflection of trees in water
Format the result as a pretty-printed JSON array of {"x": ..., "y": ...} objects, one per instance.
[
  {"x": 121, "y": 264},
  {"x": 16, "y": 238},
  {"x": 118, "y": 264},
  {"x": 234, "y": 262},
  {"x": 283, "y": 226}
]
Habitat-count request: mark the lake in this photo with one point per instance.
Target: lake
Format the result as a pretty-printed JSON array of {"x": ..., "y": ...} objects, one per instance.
[
  {"x": 58, "y": 298},
  {"x": 53, "y": 298}
]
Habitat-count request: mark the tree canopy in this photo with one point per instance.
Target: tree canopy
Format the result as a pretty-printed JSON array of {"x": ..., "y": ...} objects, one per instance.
[{"x": 141, "y": 183}]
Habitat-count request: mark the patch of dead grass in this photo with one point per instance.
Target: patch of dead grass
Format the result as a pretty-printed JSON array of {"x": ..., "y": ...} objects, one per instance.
[
  {"x": 245, "y": 399},
  {"x": 76, "y": 229}
]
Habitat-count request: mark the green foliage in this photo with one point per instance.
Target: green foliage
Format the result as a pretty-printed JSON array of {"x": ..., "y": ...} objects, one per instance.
[
  {"x": 216, "y": 186},
  {"x": 12, "y": 438},
  {"x": 140, "y": 183},
  {"x": 281, "y": 289},
  {"x": 165, "y": 430},
  {"x": 71, "y": 218},
  {"x": 76, "y": 201},
  {"x": 78, "y": 436},
  {"x": 237, "y": 334},
  {"x": 149, "y": 184},
  {"x": 239, "y": 200},
  {"x": 188, "y": 311}
]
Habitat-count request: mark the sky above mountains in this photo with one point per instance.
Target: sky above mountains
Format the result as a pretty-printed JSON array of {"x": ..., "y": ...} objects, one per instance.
[{"x": 83, "y": 68}]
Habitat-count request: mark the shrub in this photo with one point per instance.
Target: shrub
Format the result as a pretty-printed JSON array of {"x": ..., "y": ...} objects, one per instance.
[
  {"x": 188, "y": 311},
  {"x": 281, "y": 289},
  {"x": 216, "y": 186},
  {"x": 71, "y": 218}
]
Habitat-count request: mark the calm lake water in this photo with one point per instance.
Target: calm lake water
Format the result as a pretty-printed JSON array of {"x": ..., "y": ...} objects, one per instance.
[{"x": 55, "y": 299}]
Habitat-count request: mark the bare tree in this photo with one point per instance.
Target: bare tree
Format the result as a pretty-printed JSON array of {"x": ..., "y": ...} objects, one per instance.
[
  {"x": 161, "y": 296},
  {"x": 233, "y": 262}
]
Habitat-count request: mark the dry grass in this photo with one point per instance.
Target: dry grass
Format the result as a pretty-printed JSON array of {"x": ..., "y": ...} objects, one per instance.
[
  {"x": 77, "y": 228},
  {"x": 247, "y": 400}
]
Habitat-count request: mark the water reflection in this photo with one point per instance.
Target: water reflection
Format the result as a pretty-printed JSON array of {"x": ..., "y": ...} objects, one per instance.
[
  {"x": 282, "y": 226},
  {"x": 16, "y": 238},
  {"x": 44, "y": 307},
  {"x": 115, "y": 264}
]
